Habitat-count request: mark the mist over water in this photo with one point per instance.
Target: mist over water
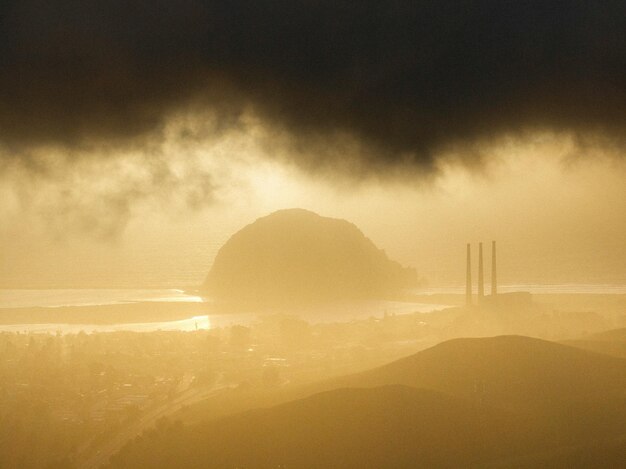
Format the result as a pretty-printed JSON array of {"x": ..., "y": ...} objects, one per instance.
[
  {"x": 91, "y": 299},
  {"x": 27, "y": 298},
  {"x": 195, "y": 323},
  {"x": 338, "y": 312}
]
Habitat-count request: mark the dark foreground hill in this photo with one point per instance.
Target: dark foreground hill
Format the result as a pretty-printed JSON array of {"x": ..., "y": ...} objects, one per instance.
[
  {"x": 609, "y": 453},
  {"x": 296, "y": 257},
  {"x": 391, "y": 426},
  {"x": 503, "y": 401}
]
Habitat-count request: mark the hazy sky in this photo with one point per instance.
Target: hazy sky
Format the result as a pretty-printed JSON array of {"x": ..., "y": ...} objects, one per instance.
[
  {"x": 558, "y": 216},
  {"x": 136, "y": 137}
]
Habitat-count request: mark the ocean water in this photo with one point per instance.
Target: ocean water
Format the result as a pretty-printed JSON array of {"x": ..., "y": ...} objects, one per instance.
[
  {"x": 93, "y": 297},
  {"x": 340, "y": 313},
  {"x": 191, "y": 324},
  {"x": 89, "y": 297},
  {"x": 27, "y": 298},
  {"x": 52, "y": 298}
]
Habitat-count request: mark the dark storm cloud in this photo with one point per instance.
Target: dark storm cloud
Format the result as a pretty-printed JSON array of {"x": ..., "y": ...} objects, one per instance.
[{"x": 405, "y": 78}]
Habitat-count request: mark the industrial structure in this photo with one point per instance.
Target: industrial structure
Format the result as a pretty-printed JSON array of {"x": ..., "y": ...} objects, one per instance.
[
  {"x": 468, "y": 277},
  {"x": 510, "y": 301},
  {"x": 494, "y": 282},
  {"x": 481, "y": 284},
  {"x": 481, "y": 274}
]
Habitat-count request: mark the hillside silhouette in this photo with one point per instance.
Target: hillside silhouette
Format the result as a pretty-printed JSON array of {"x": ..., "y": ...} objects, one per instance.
[
  {"x": 506, "y": 401},
  {"x": 511, "y": 372},
  {"x": 390, "y": 426},
  {"x": 611, "y": 342},
  {"x": 296, "y": 257}
]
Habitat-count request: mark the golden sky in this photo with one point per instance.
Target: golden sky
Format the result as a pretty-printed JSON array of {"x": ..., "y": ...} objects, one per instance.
[{"x": 556, "y": 210}]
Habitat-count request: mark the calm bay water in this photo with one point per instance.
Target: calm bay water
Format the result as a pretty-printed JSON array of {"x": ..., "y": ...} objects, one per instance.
[
  {"x": 94, "y": 298},
  {"x": 89, "y": 297},
  {"x": 191, "y": 324},
  {"x": 27, "y": 298},
  {"x": 342, "y": 312}
]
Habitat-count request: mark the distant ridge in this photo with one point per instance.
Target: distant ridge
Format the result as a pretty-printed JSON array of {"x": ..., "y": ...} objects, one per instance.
[
  {"x": 513, "y": 372},
  {"x": 296, "y": 257},
  {"x": 611, "y": 342}
]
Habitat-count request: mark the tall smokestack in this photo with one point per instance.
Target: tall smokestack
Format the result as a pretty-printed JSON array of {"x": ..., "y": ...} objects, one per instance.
[
  {"x": 481, "y": 285},
  {"x": 494, "y": 283},
  {"x": 468, "y": 278}
]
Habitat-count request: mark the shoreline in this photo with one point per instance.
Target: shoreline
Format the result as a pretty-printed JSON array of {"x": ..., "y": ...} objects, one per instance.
[
  {"x": 168, "y": 311},
  {"x": 107, "y": 314}
]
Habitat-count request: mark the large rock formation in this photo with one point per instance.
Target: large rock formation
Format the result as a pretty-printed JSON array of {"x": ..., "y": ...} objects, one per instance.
[{"x": 296, "y": 257}]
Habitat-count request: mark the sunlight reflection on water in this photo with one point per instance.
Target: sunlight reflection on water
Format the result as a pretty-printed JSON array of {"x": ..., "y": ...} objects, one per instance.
[
  {"x": 90, "y": 297},
  {"x": 190, "y": 324}
]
